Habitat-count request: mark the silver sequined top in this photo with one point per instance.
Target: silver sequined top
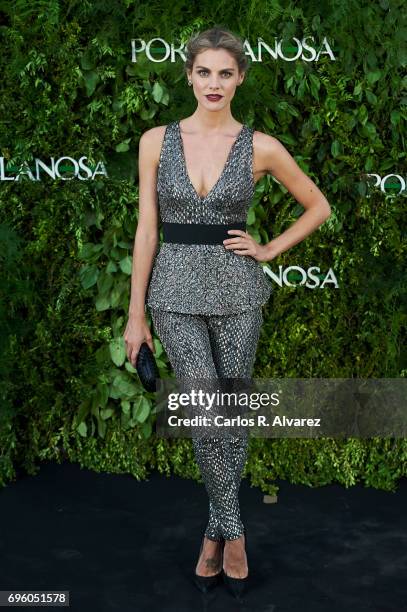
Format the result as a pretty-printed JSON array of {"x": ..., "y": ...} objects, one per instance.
[{"x": 205, "y": 278}]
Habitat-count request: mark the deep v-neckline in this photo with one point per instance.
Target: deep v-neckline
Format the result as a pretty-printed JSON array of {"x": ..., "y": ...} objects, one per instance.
[{"x": 232, "y": 148}]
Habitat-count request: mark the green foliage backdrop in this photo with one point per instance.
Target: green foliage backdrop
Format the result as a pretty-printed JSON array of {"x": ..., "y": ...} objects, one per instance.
[{"x": 69, "y": 88}]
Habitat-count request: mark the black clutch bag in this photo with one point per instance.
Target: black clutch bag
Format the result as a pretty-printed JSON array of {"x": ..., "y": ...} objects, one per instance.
[{"x": 147, "y": 368}]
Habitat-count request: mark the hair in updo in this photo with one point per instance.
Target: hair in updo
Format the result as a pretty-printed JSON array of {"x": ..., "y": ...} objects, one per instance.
[{"x": 216, "y": 38}]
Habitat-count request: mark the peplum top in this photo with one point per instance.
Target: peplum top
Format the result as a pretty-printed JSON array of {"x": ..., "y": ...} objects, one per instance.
[{"x": 205, "y": 278}]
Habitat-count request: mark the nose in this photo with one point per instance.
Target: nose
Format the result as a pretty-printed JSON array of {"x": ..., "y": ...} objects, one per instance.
[{"x": 214, "y": 85}]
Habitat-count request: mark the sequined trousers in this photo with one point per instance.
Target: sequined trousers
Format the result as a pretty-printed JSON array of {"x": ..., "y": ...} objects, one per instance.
[{"x": 214, "y": 346}]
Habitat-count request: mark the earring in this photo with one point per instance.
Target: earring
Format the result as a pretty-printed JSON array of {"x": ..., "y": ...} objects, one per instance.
[{"x": 189, "y": 82}]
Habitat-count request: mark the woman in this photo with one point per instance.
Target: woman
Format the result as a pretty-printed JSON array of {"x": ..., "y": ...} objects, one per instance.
[{"x": 205, "y": 288}]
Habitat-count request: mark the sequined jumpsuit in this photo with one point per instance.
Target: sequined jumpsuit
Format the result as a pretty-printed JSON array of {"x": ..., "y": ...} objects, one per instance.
[{"x": 206, "y": 305}]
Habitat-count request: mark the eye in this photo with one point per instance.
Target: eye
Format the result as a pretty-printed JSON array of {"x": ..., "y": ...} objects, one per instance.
[{"x": 225, "y": 72}]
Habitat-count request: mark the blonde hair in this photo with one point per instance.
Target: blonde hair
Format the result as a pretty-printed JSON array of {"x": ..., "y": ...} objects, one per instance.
[{"x": 216, "y": 38}]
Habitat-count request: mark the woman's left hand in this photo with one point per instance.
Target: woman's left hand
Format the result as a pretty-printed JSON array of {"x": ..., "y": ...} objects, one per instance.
[{"x": 244, "y": 244}]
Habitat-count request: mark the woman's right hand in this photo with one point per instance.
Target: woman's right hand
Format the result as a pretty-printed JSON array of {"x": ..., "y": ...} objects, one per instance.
[{"x": 137, "y": 331}]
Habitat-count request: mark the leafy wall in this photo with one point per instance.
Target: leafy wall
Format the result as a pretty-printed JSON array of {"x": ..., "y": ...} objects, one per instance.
[{"x": 69, "y": 88}]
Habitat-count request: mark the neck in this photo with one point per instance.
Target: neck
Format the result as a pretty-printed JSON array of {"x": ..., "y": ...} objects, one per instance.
[{"x": 206, "y": 122}]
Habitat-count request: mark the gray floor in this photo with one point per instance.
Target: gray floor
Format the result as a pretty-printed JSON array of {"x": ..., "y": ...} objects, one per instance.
[{"x": 118, "y": 544}]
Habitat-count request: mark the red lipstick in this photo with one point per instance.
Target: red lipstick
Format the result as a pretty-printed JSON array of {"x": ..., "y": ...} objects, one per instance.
[{"x": 214, "y": 97}]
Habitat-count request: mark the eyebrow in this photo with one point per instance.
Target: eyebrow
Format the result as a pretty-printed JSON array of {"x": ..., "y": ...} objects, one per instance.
[{"x": 231, "y": 69}]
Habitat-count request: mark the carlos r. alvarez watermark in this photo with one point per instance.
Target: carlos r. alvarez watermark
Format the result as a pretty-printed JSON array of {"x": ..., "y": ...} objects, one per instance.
[{"x": 286, "y": 407}]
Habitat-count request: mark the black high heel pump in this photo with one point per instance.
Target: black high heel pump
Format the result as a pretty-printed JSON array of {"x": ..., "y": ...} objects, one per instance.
[
  {"x": 237, "y": 586},
  {"x": 207, "y": 583}
]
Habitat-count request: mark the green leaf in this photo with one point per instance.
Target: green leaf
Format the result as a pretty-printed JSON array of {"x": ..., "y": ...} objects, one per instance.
[
  {"x": 314, "y": 85},
  {"x": 88, "y": 251},
  {"x": 102, "y": 394},
  {"x": 88, "y": 276},
  {"x": 357, "y": 90},
  {"x": 101, "y": 428},
  {"x": 157, "y": 92},
  {"x": 126, "y": 264},
  {"x": 116, "y": 296},
  {"x": 123, "y": 147},
  {"x": 106, "y": 413},
  {"x": 111, "y": 267},
  {"x": 297, "y": 210},
  {"x": 369, "y": 163},
  {"x": 336, "y": 148},
  {"x": 369, "y": 130},
  {"x": 105, "y": 282},
  {"x": 122, "y": 387},
  {"x": 146, "y": 429},
  {"x": 117, "y": 350},
  {"x": 362, "y": 114},
  {"x": 102, "y": 303},
  {"x": 251, "y": 216},
  {"x": 148, "y": 113},
  {"x": 158, "y": 347},
  {"x": 84, "y": 409},
  {"x": 82, "y": 429},
  {"x": 395, "y": 117},
  {"x": 87, "y": 63},
  {"x": 125, "y": 404},
  {"x": 129, "y": 367},
  {"x": 372, "y": 77},
  {"x": 370, "y": 97},
  {"x": 316, "y": 22},
  {"x": 91, "y": 80},
  {"x": 302, "y": 89},
  {"x": 141, "y": 409},
  {"x": 362, "y": 188}
]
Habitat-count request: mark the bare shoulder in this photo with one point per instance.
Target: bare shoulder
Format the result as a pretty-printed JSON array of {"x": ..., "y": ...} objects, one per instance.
[
  {"x": 154, "y": 134},
  {"x": 265, "y": 149},
  {"x": 264, "y": 143},
  {"x": 151, "y": 141}
]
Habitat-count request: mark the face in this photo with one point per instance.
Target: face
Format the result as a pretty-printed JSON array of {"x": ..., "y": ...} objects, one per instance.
[{"x": 215, "y": 72}]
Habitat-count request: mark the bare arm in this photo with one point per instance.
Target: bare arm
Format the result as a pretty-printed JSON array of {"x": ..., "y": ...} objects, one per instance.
[
  {"x": 146, "y": 239},
  {"x": 273, "y": 158},
  {"x": 145, "y": 242}
]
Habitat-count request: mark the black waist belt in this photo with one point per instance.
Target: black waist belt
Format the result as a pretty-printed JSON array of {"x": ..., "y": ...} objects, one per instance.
[{"x": 199, "y": 233}]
